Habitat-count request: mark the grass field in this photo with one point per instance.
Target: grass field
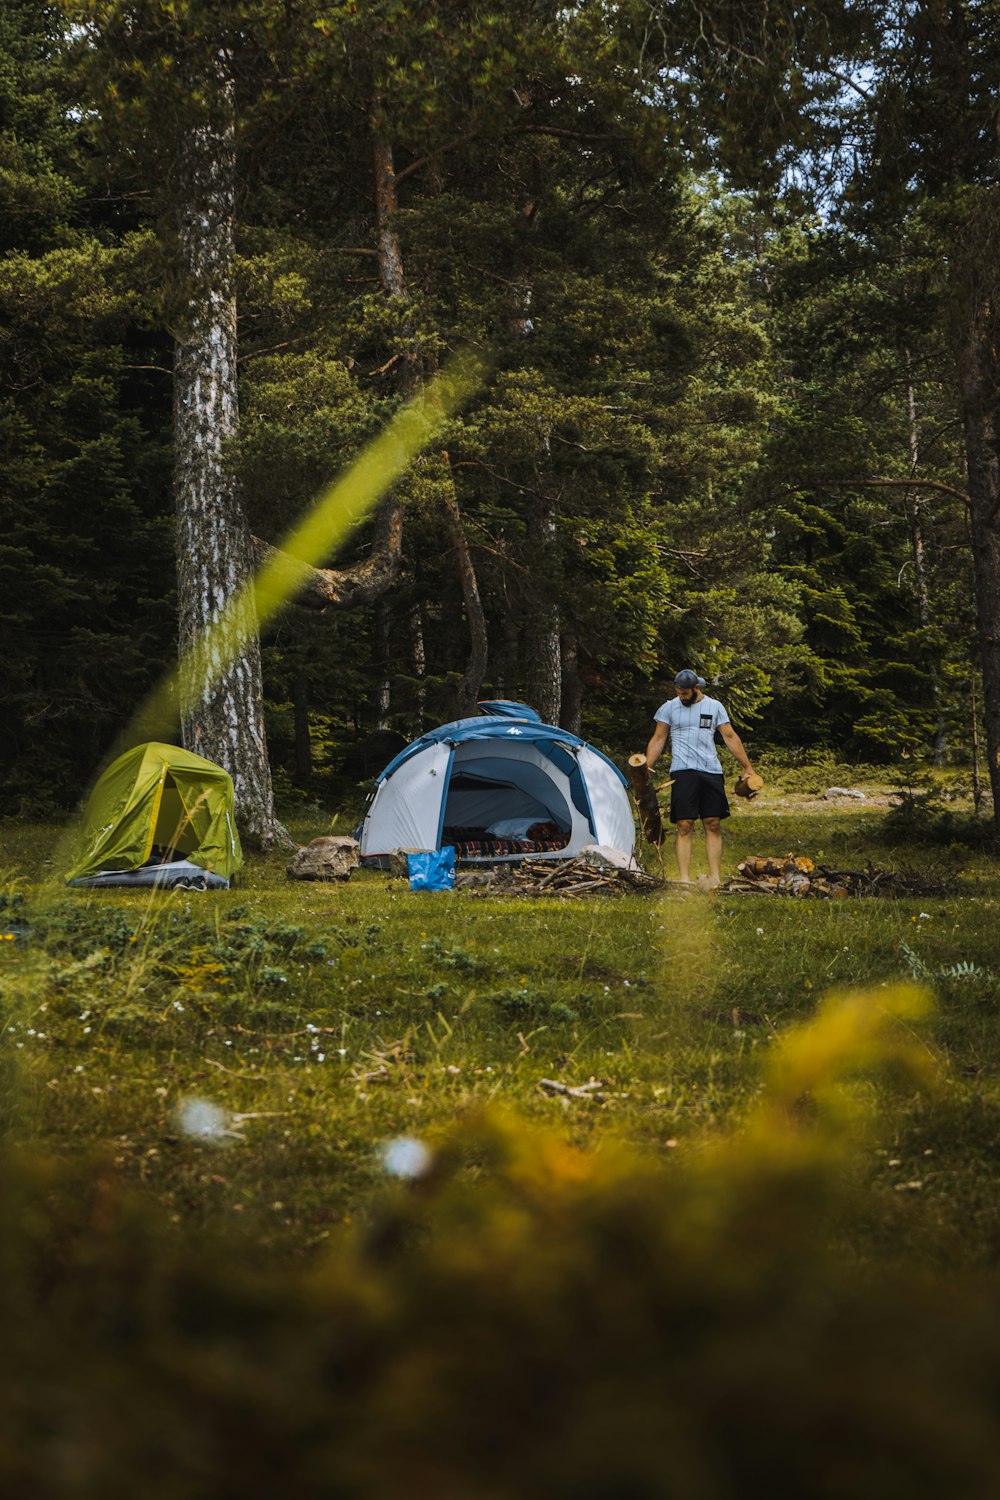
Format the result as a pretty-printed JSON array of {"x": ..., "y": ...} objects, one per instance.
[
  {"x": 285, "y": 1206},
  {"x": 246, "y": 1056}
]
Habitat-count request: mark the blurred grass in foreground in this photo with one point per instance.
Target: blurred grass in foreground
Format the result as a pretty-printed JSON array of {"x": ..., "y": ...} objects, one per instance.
[{"x": 521, "y": 1319}]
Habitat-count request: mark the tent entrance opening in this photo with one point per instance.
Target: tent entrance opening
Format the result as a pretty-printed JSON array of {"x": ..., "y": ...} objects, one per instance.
[
  {"x": 505, "y": 810},
  {"x": 174, "y": 834}
]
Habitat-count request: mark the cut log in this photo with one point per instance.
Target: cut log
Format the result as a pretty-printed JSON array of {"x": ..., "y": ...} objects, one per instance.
[
  {"x": 756, "y": 864},
  {"x": 645, "y": 796},
  {"x": 788, "y": 876}
]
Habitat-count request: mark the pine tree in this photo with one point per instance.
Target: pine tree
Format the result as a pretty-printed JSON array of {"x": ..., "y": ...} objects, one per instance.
[
  {"x": 84, "y": 554},
  {"x": 164, "y": 82}
]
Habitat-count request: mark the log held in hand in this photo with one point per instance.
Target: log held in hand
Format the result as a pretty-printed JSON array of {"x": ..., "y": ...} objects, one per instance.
[{"x": 645, "y": 796}]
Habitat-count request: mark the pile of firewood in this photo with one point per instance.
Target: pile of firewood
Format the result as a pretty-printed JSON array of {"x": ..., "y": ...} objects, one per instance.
[
  {"x": 575, "y": 877},
  {"x": 787, "y": 875}
]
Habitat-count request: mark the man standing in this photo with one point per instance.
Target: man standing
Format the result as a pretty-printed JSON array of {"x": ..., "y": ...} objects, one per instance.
[{"x": 699, "y": 787}]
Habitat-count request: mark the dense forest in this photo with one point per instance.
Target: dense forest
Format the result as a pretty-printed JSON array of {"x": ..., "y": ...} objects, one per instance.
[{"x": 731, "y": 269}]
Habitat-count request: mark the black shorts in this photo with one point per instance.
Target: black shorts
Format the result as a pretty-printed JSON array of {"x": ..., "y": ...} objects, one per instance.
[{"x": 698, "y": 794}]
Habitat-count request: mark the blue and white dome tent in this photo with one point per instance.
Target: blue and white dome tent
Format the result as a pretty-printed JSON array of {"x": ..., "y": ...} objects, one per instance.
[{"x": 498, "y": 786}]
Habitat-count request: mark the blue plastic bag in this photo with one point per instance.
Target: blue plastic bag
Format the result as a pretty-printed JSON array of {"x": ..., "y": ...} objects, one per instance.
[{"x": 432, "y": 870}]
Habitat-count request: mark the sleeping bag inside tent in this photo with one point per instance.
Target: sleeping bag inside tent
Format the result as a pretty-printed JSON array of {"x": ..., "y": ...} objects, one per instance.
[
  {"x": 498, "y": 787},
  {"x": 159, "y": 815}
]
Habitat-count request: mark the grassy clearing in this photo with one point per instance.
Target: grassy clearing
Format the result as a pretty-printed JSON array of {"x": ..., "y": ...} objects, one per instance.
[
  {"x": 321, "y": 1022},
  {"x": 741, "y": 1266}
]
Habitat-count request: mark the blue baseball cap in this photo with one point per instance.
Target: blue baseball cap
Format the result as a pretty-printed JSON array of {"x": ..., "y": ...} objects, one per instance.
[{"x": 688, "y": 679}]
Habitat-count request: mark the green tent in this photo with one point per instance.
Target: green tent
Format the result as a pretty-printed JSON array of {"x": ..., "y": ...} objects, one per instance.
[{"x": 159, "y": 816}]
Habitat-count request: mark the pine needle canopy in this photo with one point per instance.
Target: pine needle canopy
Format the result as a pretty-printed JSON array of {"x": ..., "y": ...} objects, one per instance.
[{"x": 159, "y": 802}]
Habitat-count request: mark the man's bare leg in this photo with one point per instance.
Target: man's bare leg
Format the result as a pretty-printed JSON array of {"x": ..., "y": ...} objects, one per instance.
[
  {"x": 713, "y": 848},
  {"x": 685, "y": 828}
]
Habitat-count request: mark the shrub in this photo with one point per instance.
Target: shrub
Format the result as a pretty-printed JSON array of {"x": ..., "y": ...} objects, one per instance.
[
  {"x": 924, "y": 812},
  {"x": 812, "y": 771}
]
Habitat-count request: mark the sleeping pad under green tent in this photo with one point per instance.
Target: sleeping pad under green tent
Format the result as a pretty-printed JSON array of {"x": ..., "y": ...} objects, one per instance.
[{"x": 159, "y": 815}]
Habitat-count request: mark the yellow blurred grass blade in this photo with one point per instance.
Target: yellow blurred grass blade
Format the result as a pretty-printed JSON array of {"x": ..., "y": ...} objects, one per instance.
[
  {"x": 326, "y": 524},
  {"x": 312, "y": 541}
]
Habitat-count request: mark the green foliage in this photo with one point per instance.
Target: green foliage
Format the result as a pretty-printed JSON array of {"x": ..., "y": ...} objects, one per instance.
[
  {"x": 523, "y": 1005},
  {"x": 812, "y": 770},
  {"x": 925, "y": 813},
  {"x": 84, "y": 556},
  {"x": 697, "y": 440},
  {"x": 632, "y": 366}
]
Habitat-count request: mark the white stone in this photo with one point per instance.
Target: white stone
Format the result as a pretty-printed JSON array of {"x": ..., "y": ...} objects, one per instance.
[{"x": 604, "y": 857}]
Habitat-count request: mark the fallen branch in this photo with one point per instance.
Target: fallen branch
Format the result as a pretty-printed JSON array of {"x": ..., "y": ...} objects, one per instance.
[
  {"x": 575, "y": 878},
  {"x": 341, "y": 588},
  {"x": 591, "y": 1090},
  {"x": 236, "y": 1072}
]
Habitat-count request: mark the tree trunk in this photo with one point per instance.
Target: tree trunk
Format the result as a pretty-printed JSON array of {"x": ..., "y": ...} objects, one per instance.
[
  {"x": 545, "y": 691},
  {"x": 977, "y": 784},
  {"x": 545, "y": 683},
  {"x": 915, "y": 503},
  {"x": 390, "y": 257},
  {"x": 383, "y": 688},
  {"x": 472, "y": 678},
  {"x": 419, "y": 662},
  {"x": 388, "y": 249},
  {"x": 507, "y": 675},
  {"x": 572, "y": 684},
  {"x": 977, "y": 375},
  {"x": 389, "y": 516},
  {"x": 221, "y": 694}
]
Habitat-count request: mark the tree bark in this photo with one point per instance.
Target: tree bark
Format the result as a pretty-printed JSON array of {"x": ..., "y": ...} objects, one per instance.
[
  {"x": 572, "y": 684},
  {"x": 977, "y": 784},
  {"x": 977, "y": 376},
  {"x": 419, "y": 662},
  {"x": 543, "y": 627},
  {"x": 471, "y": 684},
  {"x": 221, "y": 693},
  {"x": 383, "y": 687},
  {"x": 388, "y": 250},
  {"x": 373, "y": 579},
  {"x": 507, "y": 675},
  {"x": 915, "y": 505}
]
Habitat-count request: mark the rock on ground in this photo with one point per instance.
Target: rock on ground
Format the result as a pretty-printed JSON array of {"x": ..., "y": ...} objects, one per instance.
[{"x": 329, "y": 858}]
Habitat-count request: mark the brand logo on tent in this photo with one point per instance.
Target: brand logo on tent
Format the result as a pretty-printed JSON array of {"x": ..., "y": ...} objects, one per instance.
[{"x": 515, "y": 731}]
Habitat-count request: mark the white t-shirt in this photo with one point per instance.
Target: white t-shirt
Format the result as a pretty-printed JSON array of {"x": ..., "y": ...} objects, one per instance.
[{"x": 692, "y": 733}]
